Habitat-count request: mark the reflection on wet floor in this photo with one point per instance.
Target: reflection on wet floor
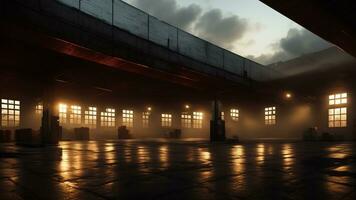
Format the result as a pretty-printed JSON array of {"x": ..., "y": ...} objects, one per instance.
[{"x": 179, "y": 169}]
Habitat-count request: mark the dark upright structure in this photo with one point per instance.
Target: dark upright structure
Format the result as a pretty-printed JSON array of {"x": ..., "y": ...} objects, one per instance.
[{"x": 217, "y": 125}]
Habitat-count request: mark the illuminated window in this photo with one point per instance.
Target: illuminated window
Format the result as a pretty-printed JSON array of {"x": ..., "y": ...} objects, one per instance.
[
  {"x": 186, "y": 120},
  {"x": 10, "y": 113},
  {"x": 63, "y": 108},
  {"x": 338, "y": 99},
  {"x": 270, "y": 116},
  {"x": 146, "y": 119},
  {"x": 338, "y": 117},
  {"x": 234, "y": 113},
  {"x": 39, "y": 109},
  {"x": 166, "y": 120},
  {"x": 222, "y": 115},
  {"x": 90, "y": 117},
  {"x": 197, "y": 120},
  {"x": 108, "y": 118},
  {"x": 75, "y": 116},
  {"x": 127, "y": 118}
]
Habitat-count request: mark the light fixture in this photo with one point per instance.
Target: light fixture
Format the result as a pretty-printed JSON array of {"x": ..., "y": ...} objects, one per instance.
[
  {"x": 149, "y": 108},
  {"x": 288, "y": 95},
  {"x": 187, "y": 106}
]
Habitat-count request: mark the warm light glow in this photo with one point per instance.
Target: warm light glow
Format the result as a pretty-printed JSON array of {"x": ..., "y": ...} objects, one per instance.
[
  {"x": 222, "y": 115},
  {"x": 288, "y": 156},
  {"x": 149, "y": 108},
  {"x": 187, "y": 106},
  {"x": 62, "y": 113},
  {"x": 90, "y": 117},
  {"x": 75, "y": 116},
  {"x": 337, "y": 99},
  {"x": 234, "y": 113},
  {"x": 270, "y": 115},
  {"x": 197, "y": 120},
  {"x": 10, "y": 113},
  {"x": 146, "y": 119},
  {"x": 39, "y": 109},
  {"x": 107, "y": 118},
  {"x": 186, "y": 120},
  {"x": 288, "y": 95},
  {"x": 338, "y": 117},
  {"x": 127, "y": 118},
  {"x": 163, "y": 156},
  {"x": 260, "y": 157},
  {"x": 166, "y": 120}
]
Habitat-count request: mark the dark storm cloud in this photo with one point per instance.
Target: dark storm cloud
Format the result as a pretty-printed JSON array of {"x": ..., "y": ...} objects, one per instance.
[
  {"x": 169, "y": 11},
  {"x": 296, "y": 43},
  {"x": 299, "y": 42},
  {"x": 221, "y": 30}
]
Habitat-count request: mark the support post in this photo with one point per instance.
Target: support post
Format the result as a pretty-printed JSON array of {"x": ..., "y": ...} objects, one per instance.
[
  {"x": 50, "y": 129},
  {"x": 217, "y": 125}
]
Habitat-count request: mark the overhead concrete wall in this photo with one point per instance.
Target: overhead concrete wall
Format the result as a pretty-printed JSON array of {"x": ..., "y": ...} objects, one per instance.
[
  {"x": 189, "y": 45},
  {"x": 71, "y": 3},
  {"x": 163, "y": 34},
  {"x": 234, "y": 63},
  {"x": 139, "y": 23},
  {"x": 101, "y": 9},
  {"x": 130, "y": 19}
]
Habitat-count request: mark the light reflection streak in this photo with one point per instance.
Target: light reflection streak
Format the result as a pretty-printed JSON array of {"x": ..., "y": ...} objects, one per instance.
[
  {"x": 260, "y": 157},
  {"x": 163, "y": 156},
  {"x": 336, "y": 152},
  {"x": 110, "y": 152},
  {"x": 143, "y": 154},
  {"x": 238, "y": 155},
  {"x": 204, "y": 158},
  {"x": 341, "y": 174},
  {"x": 71, "y": 162},
  {"x": 287, "y": 156}
]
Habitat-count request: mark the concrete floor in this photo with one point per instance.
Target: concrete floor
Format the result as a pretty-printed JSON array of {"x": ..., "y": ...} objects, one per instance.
[{"x": 179, "y": 170}]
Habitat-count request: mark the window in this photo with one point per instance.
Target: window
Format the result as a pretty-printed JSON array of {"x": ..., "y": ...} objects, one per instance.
[
  {"x": 10, "y": 113},
  {"x": 75, "y": 116},
  {"x": 338, "y": 117},
  {"x": 108, "y": 118},
  {"x": 127, "y": 118},
  {"x": 270, "y": 116},
  {"x": 39, "y": 109},
  {"x": 234, "y": 113},
  {"x": 166, "y": 120},
  {"x": 63, "y": 108},
  {"x": 90, "y": 117},
  {"x": 186, "y": 120},
  {"x": 197, "y": 120},
  {"x": 338, "y": 99},
  {"x": 146, "y": 119}
]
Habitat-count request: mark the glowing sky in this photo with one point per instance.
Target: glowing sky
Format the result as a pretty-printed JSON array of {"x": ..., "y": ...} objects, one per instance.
[{"x": 246, "y": 27}]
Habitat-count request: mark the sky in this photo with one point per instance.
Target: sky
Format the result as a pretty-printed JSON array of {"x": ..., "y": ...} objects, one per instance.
[{"x": 246, "y": 27}]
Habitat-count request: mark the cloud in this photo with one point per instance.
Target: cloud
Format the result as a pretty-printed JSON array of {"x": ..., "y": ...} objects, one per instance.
[
  {"x": 296, "y": 43},
  {"x": 221, "y": 30},
  {"x": 169, "y": 11}
]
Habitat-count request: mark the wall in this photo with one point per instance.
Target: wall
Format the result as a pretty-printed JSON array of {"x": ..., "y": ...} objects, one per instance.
[{"x": 139, "y": 23}]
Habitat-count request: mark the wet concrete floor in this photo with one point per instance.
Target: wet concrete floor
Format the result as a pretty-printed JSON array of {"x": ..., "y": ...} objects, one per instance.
[{"x": 161, "y": 169}]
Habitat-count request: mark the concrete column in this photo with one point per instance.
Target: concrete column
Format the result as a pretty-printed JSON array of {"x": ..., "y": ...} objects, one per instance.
[
  {"x": 50, "y": 129},
  {"x": 217, "y": 125}
]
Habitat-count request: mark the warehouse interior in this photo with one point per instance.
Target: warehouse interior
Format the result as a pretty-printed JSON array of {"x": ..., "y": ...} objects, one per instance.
[{"x": 104, "y": 88}]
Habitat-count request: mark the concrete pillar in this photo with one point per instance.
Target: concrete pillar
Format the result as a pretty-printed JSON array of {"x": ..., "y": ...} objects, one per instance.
[
  {"x": 50, "y": 129},
  {"x": 217, "y": 125}
]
